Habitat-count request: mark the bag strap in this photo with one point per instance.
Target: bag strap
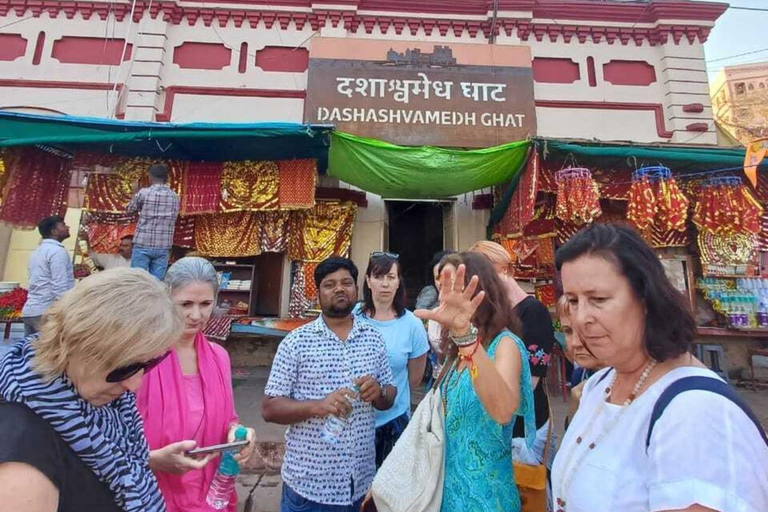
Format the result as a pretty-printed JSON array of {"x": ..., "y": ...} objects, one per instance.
[
  {"x": 699, "y": 383},
  {"x": 548, "y": 444},
  {"x": 602, "y": 378},
  {"x": 446, "y": 367}
]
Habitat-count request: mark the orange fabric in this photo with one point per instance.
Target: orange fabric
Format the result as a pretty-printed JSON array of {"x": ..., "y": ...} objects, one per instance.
[
  {"x": 227, "y": 234},
  {"x": 297, "y": 184}
]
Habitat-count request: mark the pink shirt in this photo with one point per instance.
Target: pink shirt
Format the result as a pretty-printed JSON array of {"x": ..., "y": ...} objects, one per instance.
[{"x": 193, "y": 388}]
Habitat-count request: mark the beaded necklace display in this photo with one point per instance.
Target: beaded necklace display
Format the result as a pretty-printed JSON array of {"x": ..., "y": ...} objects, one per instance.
[{"x": 568, "y": 478}]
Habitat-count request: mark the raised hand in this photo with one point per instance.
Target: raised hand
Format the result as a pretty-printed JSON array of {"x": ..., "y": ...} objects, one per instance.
[{"x": 457, "y": 304}]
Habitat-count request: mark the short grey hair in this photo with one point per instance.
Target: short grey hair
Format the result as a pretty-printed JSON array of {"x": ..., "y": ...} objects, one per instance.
[{"x": 191, "y": 270}]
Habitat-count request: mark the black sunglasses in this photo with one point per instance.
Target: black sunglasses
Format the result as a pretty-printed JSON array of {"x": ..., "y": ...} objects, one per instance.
[
  {"x": 126, "y": 372},
  {"x": 376, "y": 254}
]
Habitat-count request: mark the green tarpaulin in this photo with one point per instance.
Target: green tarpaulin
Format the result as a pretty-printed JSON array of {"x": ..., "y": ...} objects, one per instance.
[
  {"x": 192, "y": 141},
  {"x": 421, "y": 172}
]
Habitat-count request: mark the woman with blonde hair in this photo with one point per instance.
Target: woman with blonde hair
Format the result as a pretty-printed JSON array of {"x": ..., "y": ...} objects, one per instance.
[
  {"x": 72, "y": 438},
  {"x": 187, "y": 400},
  {"x": 538, "y": 335}
]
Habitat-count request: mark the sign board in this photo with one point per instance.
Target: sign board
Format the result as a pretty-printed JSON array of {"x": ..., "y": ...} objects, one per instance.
[{"x": 417, "y": 93}]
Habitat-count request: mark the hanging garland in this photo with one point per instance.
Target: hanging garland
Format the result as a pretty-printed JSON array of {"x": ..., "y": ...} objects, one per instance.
[
  {"x": 578, "y": 197},
  {"x": 656, "y": 200},
  {"x": 726, "y": 206}
]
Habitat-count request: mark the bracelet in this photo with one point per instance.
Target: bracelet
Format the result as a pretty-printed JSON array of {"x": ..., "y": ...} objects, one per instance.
[
  {"x": 471, "y": 361},
  {"x": 465, "y": 340}
]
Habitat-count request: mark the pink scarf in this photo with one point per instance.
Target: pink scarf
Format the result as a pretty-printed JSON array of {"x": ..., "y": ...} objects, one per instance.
[{"x": 163, "y": 405}]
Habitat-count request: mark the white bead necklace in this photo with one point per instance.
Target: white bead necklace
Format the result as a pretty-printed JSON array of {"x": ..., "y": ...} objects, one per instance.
[{"x": 560, "y": 501}]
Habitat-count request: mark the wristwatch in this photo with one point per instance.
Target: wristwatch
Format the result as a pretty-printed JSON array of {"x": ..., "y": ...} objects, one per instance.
[
  {"x": 465, "y": 340},
  {"x": 384, "y": 392}
]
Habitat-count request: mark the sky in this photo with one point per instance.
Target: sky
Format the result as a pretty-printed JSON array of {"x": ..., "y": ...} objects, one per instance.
[{"x": 738, "y": 32}]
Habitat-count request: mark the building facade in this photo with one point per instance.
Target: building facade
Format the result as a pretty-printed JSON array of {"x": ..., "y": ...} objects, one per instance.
[
  {"x": 602, "y": 69},
  {"x": 740, "y": 101}
]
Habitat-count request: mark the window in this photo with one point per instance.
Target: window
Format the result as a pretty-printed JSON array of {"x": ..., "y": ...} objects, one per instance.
[
  {"x": 739, "y": 88},
  {"x": 751, "y": 87},
  {"x": 761, "y": 85}
]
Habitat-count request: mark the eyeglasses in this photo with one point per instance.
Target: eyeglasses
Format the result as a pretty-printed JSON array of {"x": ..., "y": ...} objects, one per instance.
[
  {"x": 126, "y": 372},
  {"x": 377, "y": 254}
]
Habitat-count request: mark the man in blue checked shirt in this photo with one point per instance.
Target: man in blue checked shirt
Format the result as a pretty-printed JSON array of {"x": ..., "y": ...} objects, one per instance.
[
  {"x": 334, "y": 366},
  {"x": 158, "y": 207}
]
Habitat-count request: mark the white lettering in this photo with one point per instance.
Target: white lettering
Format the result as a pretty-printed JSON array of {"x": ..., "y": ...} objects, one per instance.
[
  {"x": 486, "y": 119},
  {"x": 418, "y": 117},
  {"x": 343, "y": 86},
  {"x": 433, "y": 117},
  {"x": 470, "y": 118},
  {"x": 445, "y": 117},
  {"x": 322, "y": 114}
]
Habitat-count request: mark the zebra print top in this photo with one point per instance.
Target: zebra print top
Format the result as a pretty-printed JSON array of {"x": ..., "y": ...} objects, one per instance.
[{"x": 109, "y": 439}]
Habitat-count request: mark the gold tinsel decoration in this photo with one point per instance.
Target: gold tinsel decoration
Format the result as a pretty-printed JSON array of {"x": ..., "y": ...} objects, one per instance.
[{"x": 250, "y": 186}]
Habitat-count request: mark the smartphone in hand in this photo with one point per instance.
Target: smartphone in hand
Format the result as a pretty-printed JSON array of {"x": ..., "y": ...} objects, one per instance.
[{"x": 225, "y": 447}]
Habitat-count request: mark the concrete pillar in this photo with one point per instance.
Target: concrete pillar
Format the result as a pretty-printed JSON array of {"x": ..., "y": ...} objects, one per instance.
[
  {"x": 145, "y": 82},
  {"x": 684, "y": 75}
]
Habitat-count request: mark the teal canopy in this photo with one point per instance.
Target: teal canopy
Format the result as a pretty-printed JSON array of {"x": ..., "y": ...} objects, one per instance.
[
  {"x": 421, "y": 172},
  {"x": 632, "y": 156},
  {"x": 191, "y": 141}
]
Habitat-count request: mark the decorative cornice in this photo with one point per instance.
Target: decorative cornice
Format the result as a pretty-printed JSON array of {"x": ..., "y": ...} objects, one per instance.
[{"x": 701, "y": 15}]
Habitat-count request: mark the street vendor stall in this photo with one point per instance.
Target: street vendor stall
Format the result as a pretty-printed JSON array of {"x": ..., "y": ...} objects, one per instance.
[
  {"x": 248, "y": 197},
  {"x": 707, "y": 222}
]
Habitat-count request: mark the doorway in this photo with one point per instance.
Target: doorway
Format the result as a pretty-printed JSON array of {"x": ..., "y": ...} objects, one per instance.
[{"x": 416, "y": 232}]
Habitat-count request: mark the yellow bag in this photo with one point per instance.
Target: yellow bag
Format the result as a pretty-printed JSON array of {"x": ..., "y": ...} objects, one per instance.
[{"x": 531, "y": 483}]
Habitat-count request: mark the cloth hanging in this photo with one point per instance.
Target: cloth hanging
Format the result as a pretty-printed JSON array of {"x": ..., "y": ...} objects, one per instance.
[
  {"x": 272, "y": 231},
  {"x": 184, "y": 232},
  {"x": 250, "y": 186},
  {"x": 324, "y": 231},
  {"x": 36, "y": 186},
  {"x": 298, "y": 179},
  {"x": 202, "y": 188},
  {"x": 521, "y": 207},
  {"x": 228, "y": 234},
  {"x": 105, "y": 238},
  {"x": 298, "y": 302}
]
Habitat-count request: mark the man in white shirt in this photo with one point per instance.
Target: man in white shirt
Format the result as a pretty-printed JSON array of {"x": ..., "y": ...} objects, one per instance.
[
  {"x": 50, "y": 272},
  {"x": 121, "y": 259}
]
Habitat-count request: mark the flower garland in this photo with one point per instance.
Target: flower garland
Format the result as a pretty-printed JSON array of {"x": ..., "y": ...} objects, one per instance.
[{"x": 11, "y": 303}]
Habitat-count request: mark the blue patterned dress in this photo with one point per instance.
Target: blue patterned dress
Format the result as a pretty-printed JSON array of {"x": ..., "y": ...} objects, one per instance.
[{"x": 478, "y": 451}]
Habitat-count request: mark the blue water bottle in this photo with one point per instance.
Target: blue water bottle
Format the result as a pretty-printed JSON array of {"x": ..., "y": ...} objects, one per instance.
[{"x": 223, "y": 484}]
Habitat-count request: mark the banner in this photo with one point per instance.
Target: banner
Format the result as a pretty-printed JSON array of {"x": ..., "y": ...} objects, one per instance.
[{"x": 756, "y": 151}]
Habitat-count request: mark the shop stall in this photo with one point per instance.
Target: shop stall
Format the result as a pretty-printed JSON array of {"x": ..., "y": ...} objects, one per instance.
[
  {"x": 249, "y": 200},
  {"x": 706, "y": 220}
]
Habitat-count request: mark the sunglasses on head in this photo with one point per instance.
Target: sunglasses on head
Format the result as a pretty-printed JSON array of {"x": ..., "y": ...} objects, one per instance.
[
  {"x": 126, "y": 372},
  {"x": 376, "y": 254}
]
